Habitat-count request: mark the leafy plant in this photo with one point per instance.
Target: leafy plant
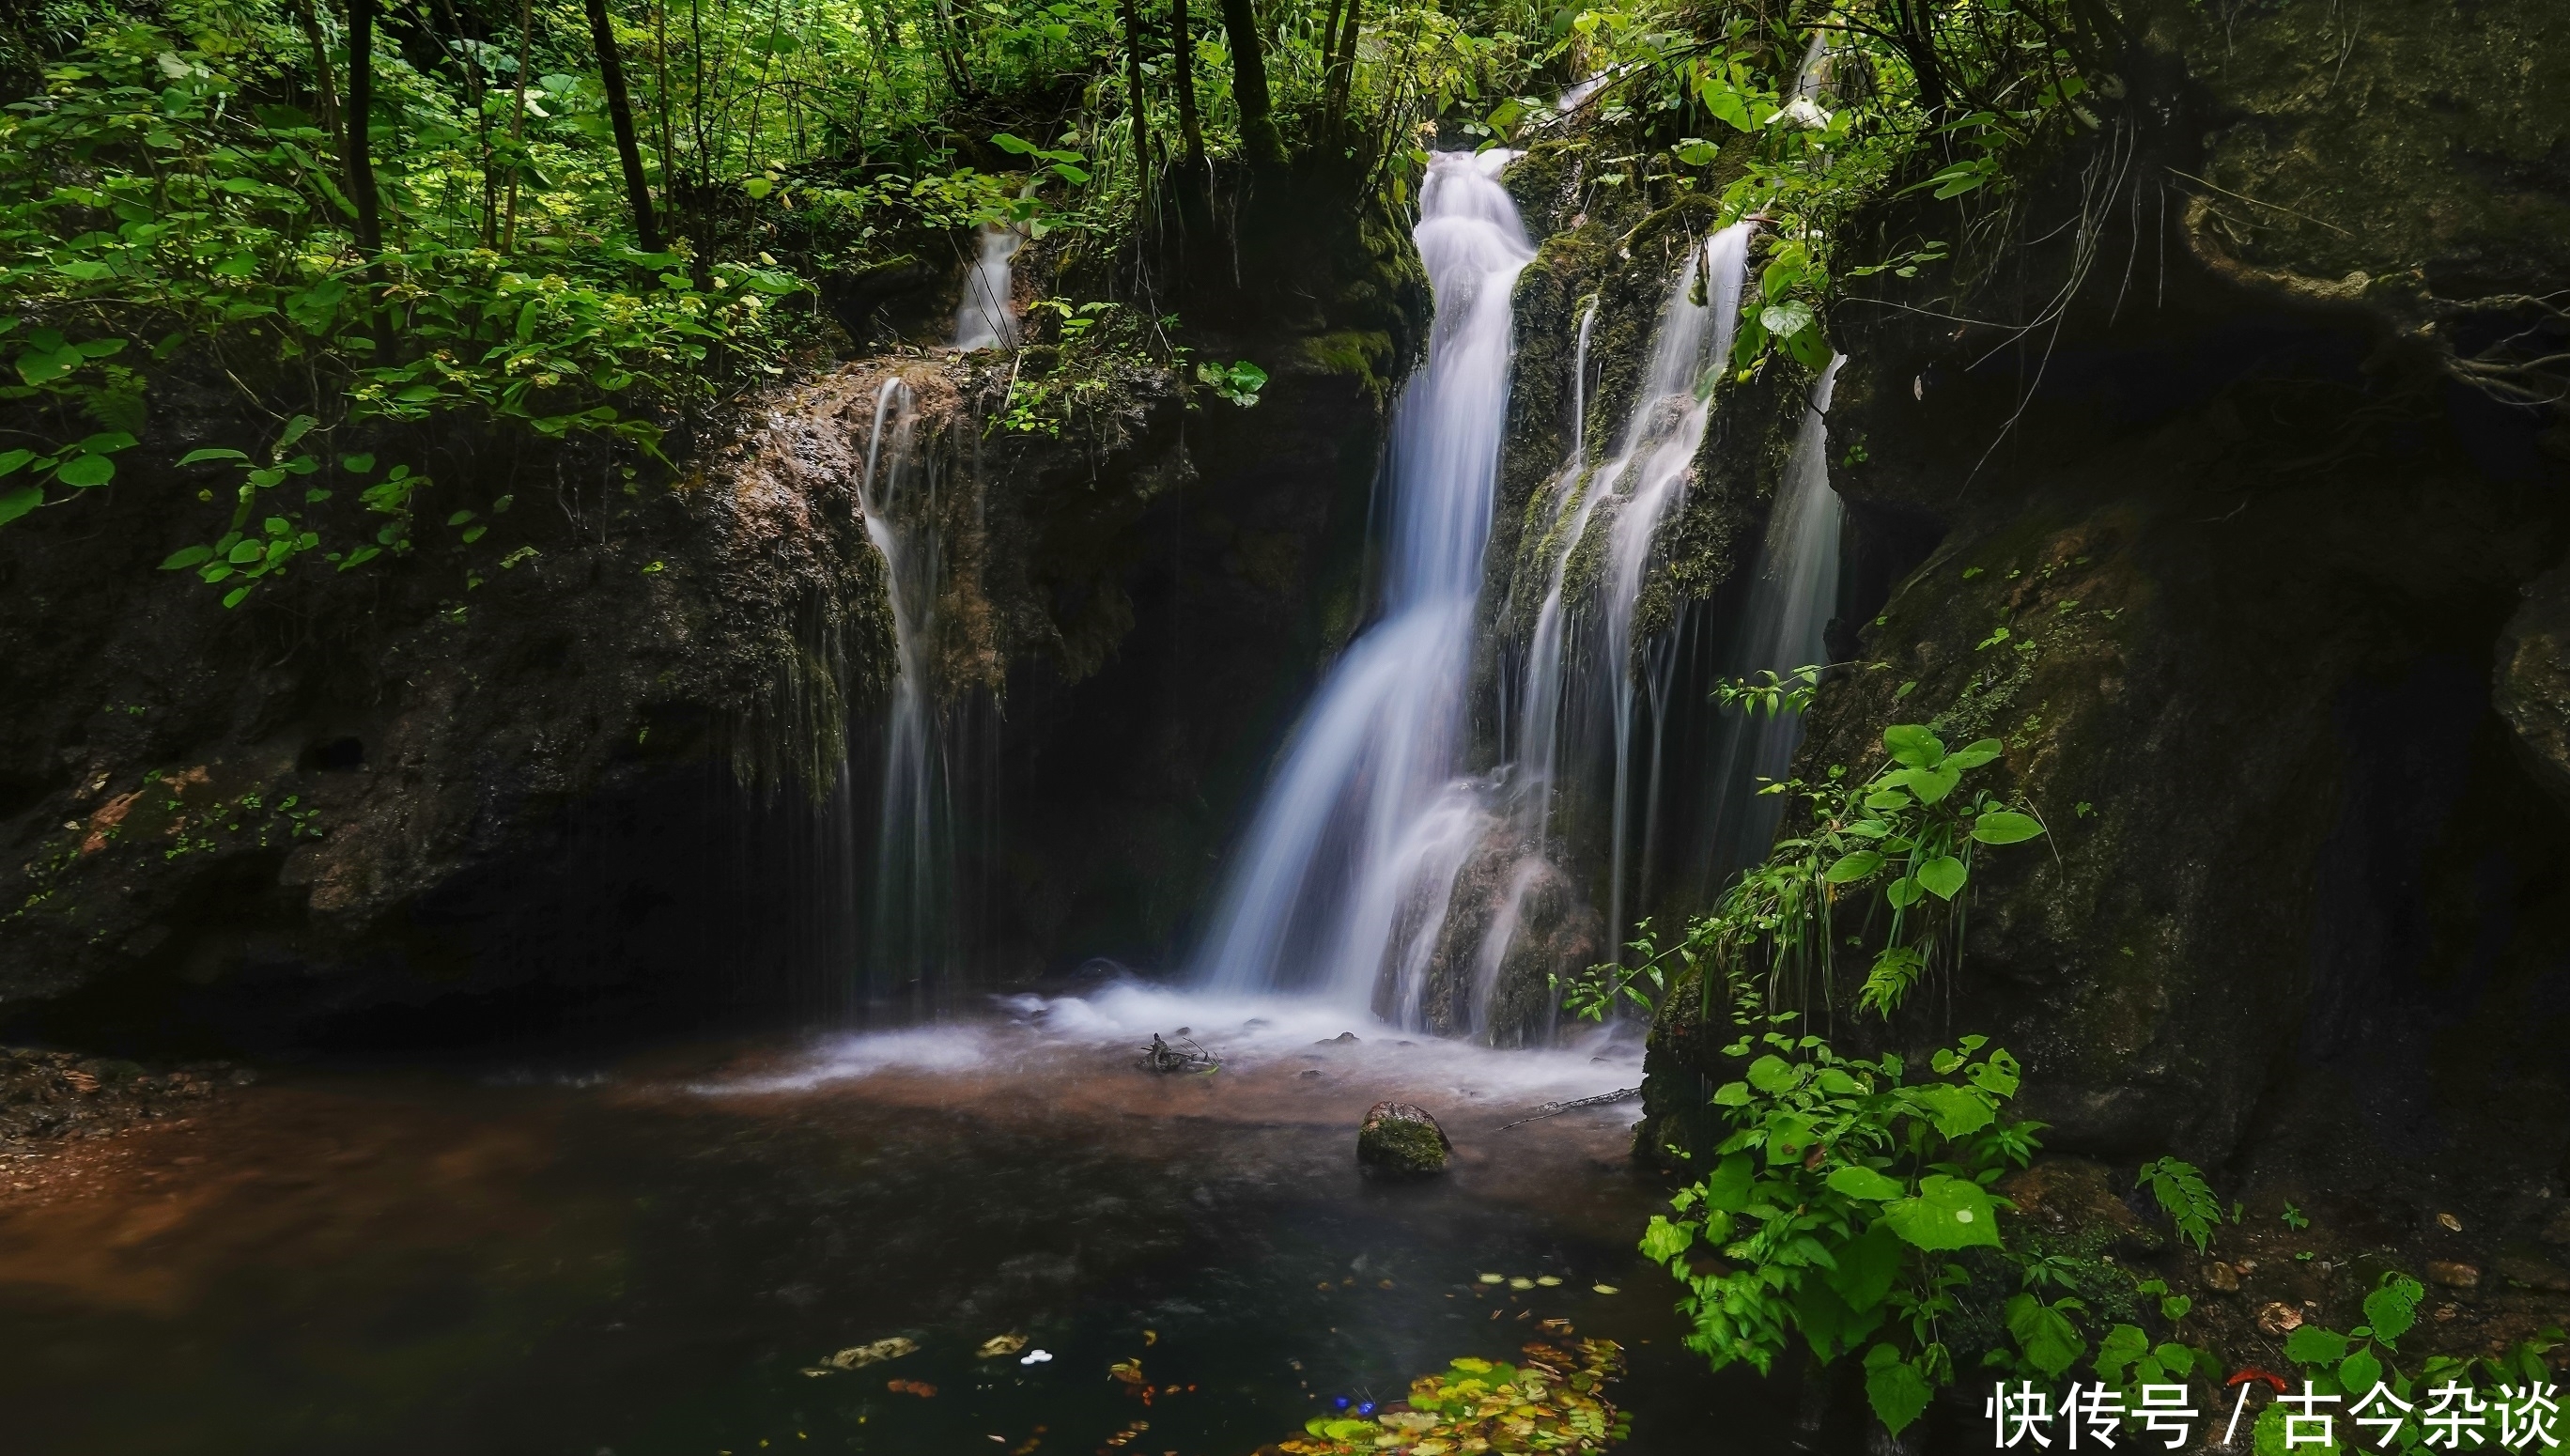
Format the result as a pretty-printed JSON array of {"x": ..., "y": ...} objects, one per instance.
[
  {"x": 1833, "y": 1212},
  {"x": 1239, "y": 383},
  {"x": 1910, "y": 826},
  {"x": 2184, "y": 1196}
]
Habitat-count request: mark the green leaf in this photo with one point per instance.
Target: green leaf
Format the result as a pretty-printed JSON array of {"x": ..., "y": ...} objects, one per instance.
[
  {"x": 1865, "y": 1183},
  {"x": 1664, "y": 1240},
  {"x": 2044, "y": 1333},
  {"x": 106, "y": 444},
  {"x": 1902, "y": 892},
  {"x": 197, "y": 457},
  {"x": 357, "y": 464},
  {"x": 11, "y": 461},
  {"x": 1913, "y": 746},
  {"x": 1930, "y": 784},
  {"x": 1727, "y": 1188},
  {"x": 188, "y": 556},
  {"x": 1773, "y": 1073},
  {"x": 1894, "y": 1388},
  {"x": 2313, "y": 1345},
  {"x": 1787, "y": 318},
  {"x": 1854, "y": 866},
  {"x": 2394, "y": 1308},
  {"x": 1958, "y": 1111},
  {"x": 1974, "y": 754},
  {"x": 1942, "y": 877},
  {"x": 1867, "y": 1268},
  {"x": 85, "y": 470},
  {"x": 18, "y": 501},
  {"x": 2122, "y": 1345},
  {"x": 1948, "y": 1213},
  {"x": 1015, "y": 146},
  {"x": 2359, "y": 1371},
  {"x": 758, "y": 187},
  {"x": 2005, "y": 827}
]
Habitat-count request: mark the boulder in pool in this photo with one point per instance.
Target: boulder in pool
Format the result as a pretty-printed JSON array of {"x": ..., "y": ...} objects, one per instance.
[{"x": 1397, "y": 1138}]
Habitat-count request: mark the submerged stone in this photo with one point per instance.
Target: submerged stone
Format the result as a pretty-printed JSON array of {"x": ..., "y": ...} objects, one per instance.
[{"x": 1399, "y": 1138}]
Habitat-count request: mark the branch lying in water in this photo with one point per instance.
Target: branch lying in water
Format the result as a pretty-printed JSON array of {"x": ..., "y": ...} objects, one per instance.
[{"x": 1556, "y": 1109}]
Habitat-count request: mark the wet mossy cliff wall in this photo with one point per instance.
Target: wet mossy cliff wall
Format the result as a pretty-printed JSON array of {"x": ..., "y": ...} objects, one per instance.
[
  {"x": 2237, "y": 428},
  {"x": 626, "y": 774}
]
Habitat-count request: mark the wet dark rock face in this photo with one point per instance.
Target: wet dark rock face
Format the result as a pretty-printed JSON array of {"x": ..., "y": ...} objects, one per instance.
[
  {"x": 393, "y": 805},
  {"x": 2282, "y": 654}
]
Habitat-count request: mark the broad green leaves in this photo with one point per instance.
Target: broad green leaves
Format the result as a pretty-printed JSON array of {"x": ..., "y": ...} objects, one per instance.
[{"x": 1948, "y": 1213}]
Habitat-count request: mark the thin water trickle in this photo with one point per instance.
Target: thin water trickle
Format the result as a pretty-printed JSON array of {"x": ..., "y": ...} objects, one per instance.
[
  {"x": 909, "y": 928},
  {"x": 1364, "y": 820}
]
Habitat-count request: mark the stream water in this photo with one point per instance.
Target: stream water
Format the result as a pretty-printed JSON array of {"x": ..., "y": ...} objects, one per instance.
[{"x": 657, "y": 1255}]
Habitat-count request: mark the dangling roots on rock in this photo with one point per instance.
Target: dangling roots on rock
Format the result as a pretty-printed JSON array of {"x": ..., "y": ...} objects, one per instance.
[{"x": 1163, "y": 1058}]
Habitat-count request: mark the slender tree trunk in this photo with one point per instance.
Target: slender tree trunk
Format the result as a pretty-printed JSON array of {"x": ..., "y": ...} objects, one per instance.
[
  {"x": 518, "y": 121},
  {"x": 325, "y": 92},
  {"x": 1183, "y": 46},
  {"x": 1259, "y": 137},
  {"x": 1342, "y": 74},
  {"x": 620, "y": 111},
  {"x": 1134, "y": 102},
  {"x": 356, "y": 154}
]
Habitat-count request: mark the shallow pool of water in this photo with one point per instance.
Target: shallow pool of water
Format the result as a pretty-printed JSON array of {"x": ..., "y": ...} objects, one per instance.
[{"x": 661, "y": 1255}]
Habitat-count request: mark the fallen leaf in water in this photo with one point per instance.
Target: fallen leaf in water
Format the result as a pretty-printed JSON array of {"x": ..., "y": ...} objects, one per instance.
[
  {"x": 1549, "y": 1281},
  {"x": 1150, "y": 1338},
  {"x": 1000, "y": 1345},
  {"x": 1604, "y": 1289},
  {"x": 1520, "y": 1283},
  {"x": 2451, "y": 1224},
  {"x": 910, "y": 1388},
  {"x": 1495, "y": 1279},
  {"x": 858, "y": 1356},
  {"x": 1128, "y": 1371}
]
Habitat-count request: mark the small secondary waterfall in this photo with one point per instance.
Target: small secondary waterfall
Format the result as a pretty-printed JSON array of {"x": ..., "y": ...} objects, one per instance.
[
  {"x": 986, "y": 317},
  {"x": 909, "y": 929},
  {"x": 1784, "y": 626},
  {"x": 1581, "y": 664},
  {"x": 1346, "y": 867}
]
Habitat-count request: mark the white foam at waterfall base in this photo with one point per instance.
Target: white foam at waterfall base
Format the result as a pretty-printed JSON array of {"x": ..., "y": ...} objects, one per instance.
[{"x": 1107, "y": 1027}]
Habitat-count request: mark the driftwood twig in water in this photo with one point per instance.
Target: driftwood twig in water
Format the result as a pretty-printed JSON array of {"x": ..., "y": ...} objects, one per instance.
[
  {"x": 1161, "y": 1057},
  {"x": 1556, "y": 1109}
]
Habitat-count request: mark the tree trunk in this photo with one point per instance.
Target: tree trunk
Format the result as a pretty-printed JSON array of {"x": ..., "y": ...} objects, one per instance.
[
  {"x": 356, "y": 156},
  {"x": 325, "y": 92},
  {"x": 518, "y": 121},
  {"x": 620, "y": 111},
  {"x": 1341, "y": 75},
  {"x": 1183, "y": 46},
  {"x": 1259, "y": 137},
  {"x": 1134, "y": 100}
]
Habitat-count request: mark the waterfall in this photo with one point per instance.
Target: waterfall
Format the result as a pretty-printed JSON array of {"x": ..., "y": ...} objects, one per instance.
[
  {"x": 1627, "y": 498},
  {"x": 1348, "y": 863},
  {"x": 986, "y": 317},
  {"x": 1783, "y": 627},
  {"x": 909, "y": 929}
]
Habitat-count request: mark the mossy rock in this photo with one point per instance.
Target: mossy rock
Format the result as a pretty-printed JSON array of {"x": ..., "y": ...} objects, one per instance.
[{"x": 1402, "y": 1140}]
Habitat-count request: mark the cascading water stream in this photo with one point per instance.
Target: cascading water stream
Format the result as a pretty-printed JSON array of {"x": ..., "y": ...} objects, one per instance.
[
  {"x": 1783, "y": 627},
  {"x": 1346, "y": 867},
  {"x": 909, "y": 928},
  {"x": 1627, "y": 497},
  {"x": 986, "y": 317}
]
